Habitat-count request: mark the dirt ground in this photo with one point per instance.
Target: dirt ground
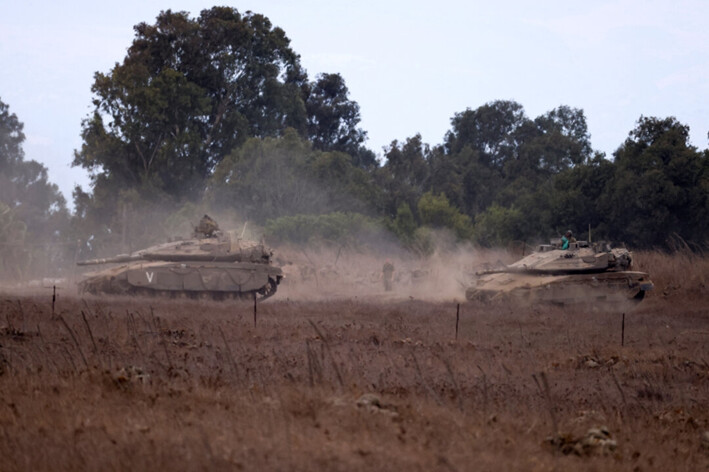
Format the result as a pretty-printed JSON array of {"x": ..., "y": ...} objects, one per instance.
[{"x": 382, "y": 382}]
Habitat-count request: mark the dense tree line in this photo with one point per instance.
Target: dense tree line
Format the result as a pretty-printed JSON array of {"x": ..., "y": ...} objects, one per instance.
[
  {"x": 218, "y": 110},
  {"x": 216, "y": 113}
]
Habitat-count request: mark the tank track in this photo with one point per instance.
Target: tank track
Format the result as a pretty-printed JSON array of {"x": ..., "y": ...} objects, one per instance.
[{"x": 585, "y": 294}]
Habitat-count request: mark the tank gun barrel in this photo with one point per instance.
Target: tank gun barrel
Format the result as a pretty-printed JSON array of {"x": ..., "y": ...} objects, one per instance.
[
  {"x": 491, "y": 271},
  {"x": 111, "y": 260},
  {"x": 506, "y": 270}
]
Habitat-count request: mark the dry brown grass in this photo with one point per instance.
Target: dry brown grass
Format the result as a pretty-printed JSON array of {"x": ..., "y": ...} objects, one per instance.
[
  {"x": 148, "y": 384},
  {"x": 683, "y": 273}
]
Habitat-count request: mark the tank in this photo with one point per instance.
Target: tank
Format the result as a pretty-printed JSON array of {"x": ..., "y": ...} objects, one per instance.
[
  {"x": 213, "y": 264},
  {"x": 583, "y": 273}
]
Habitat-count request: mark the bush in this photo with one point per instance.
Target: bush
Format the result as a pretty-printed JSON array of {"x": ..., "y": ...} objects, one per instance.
[
  {"x": 333, "y": 228},
  {"x": 437, "y": 212},
  {"x": 497, "y": 226}
]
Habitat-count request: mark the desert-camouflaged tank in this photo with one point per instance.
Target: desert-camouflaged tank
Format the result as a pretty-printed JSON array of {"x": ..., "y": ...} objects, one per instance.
[
  {"x": 583, "y": 273},
  {"x": 212, "y": 265}
]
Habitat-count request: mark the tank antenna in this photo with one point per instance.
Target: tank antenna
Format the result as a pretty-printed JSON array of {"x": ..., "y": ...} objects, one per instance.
[
  {"x": 589, "y": 233},
  {"x": 243, "y": 231}
]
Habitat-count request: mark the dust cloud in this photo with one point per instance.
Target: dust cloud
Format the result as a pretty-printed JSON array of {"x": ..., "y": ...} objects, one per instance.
[
  {"x": 313, "y": 271},
  {"x": 316, "y": 273}
]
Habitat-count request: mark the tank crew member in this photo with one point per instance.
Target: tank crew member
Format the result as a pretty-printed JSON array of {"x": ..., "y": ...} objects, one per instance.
[
  {"x": 207, "y": 227},
  {"x": 566, "y": 239}
]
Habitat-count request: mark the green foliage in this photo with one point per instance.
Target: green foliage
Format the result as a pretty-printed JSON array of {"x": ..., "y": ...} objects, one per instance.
[
  {"x": 517, "y": 178},
  {"x": 336, "y": 228},
  {"x": 33, "y": 215},
  {"x": 11, "y": 139},
  {"x": 659, "y": 186},
  {"x": 404, "y": 175},
  {"x": 14, "y": 256},
  {"x": 490, "y": 130},
  {"x": 437, "y": 212},
  {"x": 577, "y": 196},
  {"x": 217, "y": 110},
  {"x": 333, "y": 119},
  {"x": 183, "y": 221},
  {"x": 404, "y": 224},
  {"x": 493, "y": 151},
  {"x": 189, "y": 91},
  {"x": 273, "y": 177},
  {"x": 560, "y": 140},
  {"x": 498, "y": 226},
  {"x": 423, "y": 242}
]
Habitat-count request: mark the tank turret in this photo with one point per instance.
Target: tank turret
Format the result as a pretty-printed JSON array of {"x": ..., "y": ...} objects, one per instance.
[{"x": 222, "y": 247}]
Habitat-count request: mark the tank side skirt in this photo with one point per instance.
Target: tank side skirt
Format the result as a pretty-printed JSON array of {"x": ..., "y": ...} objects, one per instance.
[{"x": 218, "y": 280}]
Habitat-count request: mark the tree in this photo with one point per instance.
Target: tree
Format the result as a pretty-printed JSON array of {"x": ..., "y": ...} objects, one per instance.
[
  {"x": 404, "y": 225},
  {"x": 659, "y": 186},
  {"x": 490, "y": 130},
  {"x": 333, "y": 120},
  {"x": 187, "y": 93},
  {"x": 497, "y": 226},
  {"x": 404, "y": 175},
  {"x": 14, "y": 254},
  {"x": 479, "y": 147},
  {"x": 577, "y": 193},
  {"x": 273, "y": 177},
  {"x": 553, "y": 142},
  {"x": 11, "y": 139},
  {"x": 495, "y": 155},
  {"x": 437, "y": 212},
  {"x": 33, "y": 215}
]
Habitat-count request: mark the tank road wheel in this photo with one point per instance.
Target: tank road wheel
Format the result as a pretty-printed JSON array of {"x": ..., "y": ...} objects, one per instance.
[
  {"x": 166, "y": 294},
  {"x": 144, "y": 292},
  {"x": 268, "y": 290},
  {"x": 219, "y": 296},
  {"x": 116, "y": 287},
  {"x": 85, "y": 287}
]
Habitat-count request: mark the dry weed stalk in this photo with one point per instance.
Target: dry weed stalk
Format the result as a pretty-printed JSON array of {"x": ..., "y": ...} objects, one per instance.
[
  {"x": 451, "y": 375},
  {"x": 91, "y": 334},
  {"x": 314, "y": 365},
  {"x": 326, "y": 343},
  {"x": 423, "y": 380},
  {"x": 546, "y": 394},
  {"x": 485, "y": 395},
  {"x": 232, "y": 362},
  {"x": 76, "y": 342}
]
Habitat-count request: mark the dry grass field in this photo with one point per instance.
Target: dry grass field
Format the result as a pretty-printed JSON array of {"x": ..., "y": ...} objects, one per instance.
[{"x": 358, "y": 382}]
